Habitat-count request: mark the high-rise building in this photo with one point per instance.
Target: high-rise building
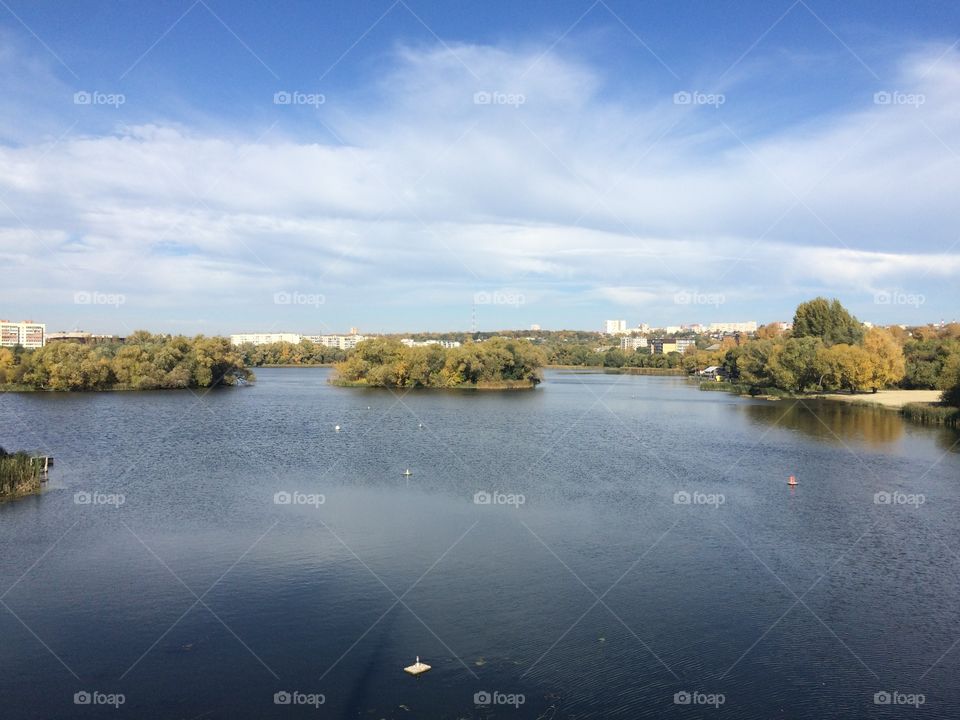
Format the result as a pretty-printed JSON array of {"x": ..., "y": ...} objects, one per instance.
[
  {"x": 615, "y": 327},
  {"x": 25, "y": 333}
]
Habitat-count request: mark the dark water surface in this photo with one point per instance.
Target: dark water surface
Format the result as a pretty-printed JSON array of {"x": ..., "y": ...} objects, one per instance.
[{"x": 600, "y": 596}]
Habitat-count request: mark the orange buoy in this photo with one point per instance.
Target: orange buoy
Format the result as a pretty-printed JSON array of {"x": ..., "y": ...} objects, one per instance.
[{"x": 792, "y": 481}]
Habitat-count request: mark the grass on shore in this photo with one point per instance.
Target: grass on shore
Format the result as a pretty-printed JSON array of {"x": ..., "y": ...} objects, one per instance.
[
  {"x": 917, "y": 412},
  {"x": 495, "y": 385},
  {"x": 932, "y": 414},
  {"x": 19, "y": 475},
  {"x": 730, "y": 387},
  {"x": 614, "y": 370}
]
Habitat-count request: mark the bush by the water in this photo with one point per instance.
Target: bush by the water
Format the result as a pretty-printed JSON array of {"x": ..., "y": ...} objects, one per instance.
[
  {"x": 142, "y": 362},
  {"x": 304, "y": 352},
  {"x": 495, "y": 363},
  {"x": 930, "y": 414},
  {"x": 19, "y": 474}
]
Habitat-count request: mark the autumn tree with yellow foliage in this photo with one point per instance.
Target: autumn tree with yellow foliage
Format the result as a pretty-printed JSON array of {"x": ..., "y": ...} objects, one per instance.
[{"x": 828, "y": 350}]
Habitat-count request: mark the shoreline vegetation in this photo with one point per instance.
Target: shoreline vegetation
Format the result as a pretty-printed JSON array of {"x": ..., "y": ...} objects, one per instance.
[
  {"x": 621, "y": 370},
  {"x": 142, "y": 362},
  {"x": 20, "y": 475},
  {"x": 828, "y": 354},
  {"x": 497, "y": 364},
  {"x": 913, "y": 405}
]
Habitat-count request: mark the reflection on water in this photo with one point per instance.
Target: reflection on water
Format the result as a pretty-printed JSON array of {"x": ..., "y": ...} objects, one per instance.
[
  {"x": 830, "y": 421},
  {"x": 948, "y": 439}
]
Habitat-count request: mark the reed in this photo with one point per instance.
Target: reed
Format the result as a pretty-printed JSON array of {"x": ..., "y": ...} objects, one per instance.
[
  {"x": 724, "y": 386},
  {"x": 19, "y": 474},
  {"x": 932, "y": 414}
]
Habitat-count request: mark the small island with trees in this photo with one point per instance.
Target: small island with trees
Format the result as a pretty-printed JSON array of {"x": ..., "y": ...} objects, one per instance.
[
  {"x": 142, "y": 362},
  {"x": 496, "y": 364}
]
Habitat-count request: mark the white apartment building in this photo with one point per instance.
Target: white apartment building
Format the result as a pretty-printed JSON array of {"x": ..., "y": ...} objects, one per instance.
[
  {"x": 734, "y": 326},
  {"x": 615, "y": 327},
  {"x": 265, "y": 338},
  {"x": 633, "y": 343},
  {"x": 25, "y": 333},
  {"x": 421, "y": 343},
  {"x": 343, "y": 342}
]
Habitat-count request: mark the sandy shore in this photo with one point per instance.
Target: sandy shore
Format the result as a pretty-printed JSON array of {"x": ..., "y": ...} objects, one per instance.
[{"x": 888, "y": 398}]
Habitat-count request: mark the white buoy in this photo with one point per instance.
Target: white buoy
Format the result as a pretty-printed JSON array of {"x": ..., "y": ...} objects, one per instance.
[
  {"x": 417, "y": 668},
  {"x": 407, "y": 473},
  {"x": 421, "y": 425},
  {"x": 336, "y": 428}
]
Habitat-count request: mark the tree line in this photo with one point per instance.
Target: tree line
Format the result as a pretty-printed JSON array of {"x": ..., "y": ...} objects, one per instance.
[
  {"x": 829, "y": 349},
  {"x": 286, "y": 353},
  {"x": 143, "y": 362},
  {"x": 499, "y": 362}
]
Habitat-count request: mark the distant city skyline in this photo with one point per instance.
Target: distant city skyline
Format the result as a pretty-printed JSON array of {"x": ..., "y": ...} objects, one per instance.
[
  {"x": 233, "y": 165},
  {"x": 630, "y": 328}
]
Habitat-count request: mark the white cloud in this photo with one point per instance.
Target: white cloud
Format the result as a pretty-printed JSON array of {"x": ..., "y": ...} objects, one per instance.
[{"x": 568, "y": 193}]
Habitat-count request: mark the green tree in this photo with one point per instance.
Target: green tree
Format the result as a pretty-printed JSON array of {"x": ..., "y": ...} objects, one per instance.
[
  {"x": 6, "y": 365},
  {"x": 799, "y": 357},
  {"x": 950, "y": 381},
  {"x": 614, "y": 358},
  {"x": 827, "y": 320},
  {"x": 388, "y": 363},
  {"x": 925, "y": 361}
]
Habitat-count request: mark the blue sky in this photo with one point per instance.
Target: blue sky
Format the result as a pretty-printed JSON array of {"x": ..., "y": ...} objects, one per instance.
[{"x": 221, "y": 167}]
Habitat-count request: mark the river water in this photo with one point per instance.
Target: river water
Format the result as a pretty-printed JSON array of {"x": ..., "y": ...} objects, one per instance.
[{"x": 606, "y": 546}]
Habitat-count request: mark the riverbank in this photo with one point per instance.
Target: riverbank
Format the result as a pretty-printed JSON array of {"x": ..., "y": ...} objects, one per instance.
[
  {"x": 896, "y": 399},
  {"x": 296, "y": 365},
  {"x": 19, "y": 388},
  {"x": 480, "y": 386},
  {"x": 620, "y": 370},
  {"x": 918, "y": 406}
]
